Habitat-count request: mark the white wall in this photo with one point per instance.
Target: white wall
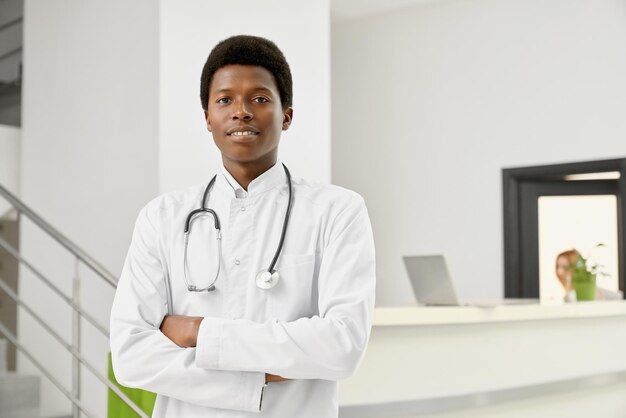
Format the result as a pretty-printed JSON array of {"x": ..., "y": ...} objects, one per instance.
[
  {"x": 188, "y": 32},
  {"x": 89, "y": 159},
  {"x": 9, "y": 163},
  {"x": 431, "y": 102}
]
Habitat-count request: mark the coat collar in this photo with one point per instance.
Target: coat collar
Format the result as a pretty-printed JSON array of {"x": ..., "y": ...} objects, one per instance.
[{"x": 273, "y": 177}]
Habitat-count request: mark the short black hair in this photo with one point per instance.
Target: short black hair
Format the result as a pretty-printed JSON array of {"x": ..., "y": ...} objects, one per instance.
[{"x": 248, "y": 50}]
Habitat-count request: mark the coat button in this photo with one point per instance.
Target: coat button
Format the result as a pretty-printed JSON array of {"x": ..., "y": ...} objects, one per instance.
[{"x": 237, "y": 262}]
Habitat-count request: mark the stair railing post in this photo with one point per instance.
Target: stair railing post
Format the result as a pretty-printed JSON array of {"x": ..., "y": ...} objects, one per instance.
[{"x": 76, "y": 338}]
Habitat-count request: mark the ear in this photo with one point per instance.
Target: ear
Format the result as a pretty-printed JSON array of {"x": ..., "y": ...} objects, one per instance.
[
  {"x": 287, "y": 118},
  {"x": 208, "y": 122}
]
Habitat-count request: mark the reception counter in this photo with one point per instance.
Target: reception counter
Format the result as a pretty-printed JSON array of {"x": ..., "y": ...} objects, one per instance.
[{"x": 507, "y": 361}]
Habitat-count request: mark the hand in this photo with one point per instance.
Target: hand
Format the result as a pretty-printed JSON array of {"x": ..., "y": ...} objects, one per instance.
[
  {"x": 182, "y": 330},
  {"x": 274, "y": 378}
]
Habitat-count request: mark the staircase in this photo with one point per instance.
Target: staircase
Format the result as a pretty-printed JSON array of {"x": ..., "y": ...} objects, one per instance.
[{"x": 19, "y": 393}]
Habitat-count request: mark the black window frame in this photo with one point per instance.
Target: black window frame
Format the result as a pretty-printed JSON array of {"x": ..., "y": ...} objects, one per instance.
[{"x": 518, "y": 283}]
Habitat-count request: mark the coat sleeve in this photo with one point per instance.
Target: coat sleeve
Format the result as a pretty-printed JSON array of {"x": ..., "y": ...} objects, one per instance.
[
  {"x": 145, "y": 358},
  {"x": 326, "y": 346}
]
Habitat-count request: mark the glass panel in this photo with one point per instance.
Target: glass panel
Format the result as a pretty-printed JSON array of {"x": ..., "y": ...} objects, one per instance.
[{"x": 580, "y": 223}]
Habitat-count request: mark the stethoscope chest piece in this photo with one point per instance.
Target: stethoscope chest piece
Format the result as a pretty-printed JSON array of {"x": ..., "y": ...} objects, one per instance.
[{"x": 266, "y": 280}]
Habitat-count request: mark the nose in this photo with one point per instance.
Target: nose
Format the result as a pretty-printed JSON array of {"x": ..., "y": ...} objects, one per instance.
[{"x": 241, "y": 111}]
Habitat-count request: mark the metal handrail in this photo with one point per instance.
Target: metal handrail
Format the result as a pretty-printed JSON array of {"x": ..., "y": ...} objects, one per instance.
[
  {"x": 7, "y": 289},
  {"x": 11, "y": 23},
  {"x": 59, "y": 237},
  {"x": 15, "y": 254},
  {"x": 13, "y": 339},
  {"x": 74, "y": 348}
]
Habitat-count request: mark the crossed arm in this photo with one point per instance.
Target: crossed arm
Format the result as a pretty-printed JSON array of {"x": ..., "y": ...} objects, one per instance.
[{"x": 183, "y": 331}]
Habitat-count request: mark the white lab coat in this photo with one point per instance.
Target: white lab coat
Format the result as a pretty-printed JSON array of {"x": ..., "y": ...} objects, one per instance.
[{"x": 312, "y": 328}]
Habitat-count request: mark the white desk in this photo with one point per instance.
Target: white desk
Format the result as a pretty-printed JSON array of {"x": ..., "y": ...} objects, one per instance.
[{"x": 422, "y": 360}]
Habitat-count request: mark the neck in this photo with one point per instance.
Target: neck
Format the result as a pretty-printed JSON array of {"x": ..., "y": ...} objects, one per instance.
[{"x": 244, "y": 173}]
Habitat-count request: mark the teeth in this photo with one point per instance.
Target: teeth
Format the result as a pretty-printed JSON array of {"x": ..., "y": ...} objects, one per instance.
[{"x": 241, "y": 133}]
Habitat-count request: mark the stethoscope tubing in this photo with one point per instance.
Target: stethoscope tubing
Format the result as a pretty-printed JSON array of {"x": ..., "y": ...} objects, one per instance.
[
  {"x": 206, "y": 210},
  {"x": 285, "y": 222}
]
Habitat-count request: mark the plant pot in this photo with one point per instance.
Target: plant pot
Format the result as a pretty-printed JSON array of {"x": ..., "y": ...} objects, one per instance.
[{"x": 585, "y": 290}]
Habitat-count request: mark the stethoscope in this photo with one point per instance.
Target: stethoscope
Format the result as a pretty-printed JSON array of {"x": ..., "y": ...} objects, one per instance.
[{"x": 265, "y": 279}]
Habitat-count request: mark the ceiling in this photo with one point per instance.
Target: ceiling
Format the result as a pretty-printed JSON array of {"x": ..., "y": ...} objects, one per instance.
[{"x": 352, "y": 9}]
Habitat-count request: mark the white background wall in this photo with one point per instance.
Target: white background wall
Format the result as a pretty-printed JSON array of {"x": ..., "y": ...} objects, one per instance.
[
  {"x": 89, "y": 160},
  {"x": 188, "y": 32},
  {"x": 9, "y": 163},
  {"x": 112, "y": 117},
  {"x": 431, "y": 102}
]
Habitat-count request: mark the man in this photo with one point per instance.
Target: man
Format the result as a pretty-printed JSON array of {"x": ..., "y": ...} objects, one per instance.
[{"x": 256, "y": 343}]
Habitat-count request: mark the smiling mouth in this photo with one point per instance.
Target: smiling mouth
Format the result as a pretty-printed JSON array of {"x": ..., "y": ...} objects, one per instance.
[{"x": 243, "y": 133}]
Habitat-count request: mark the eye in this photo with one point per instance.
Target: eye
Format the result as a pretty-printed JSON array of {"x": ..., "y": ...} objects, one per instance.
[
  {"x": 261, "y": 99},
  {"x": 223, "y": 100}
]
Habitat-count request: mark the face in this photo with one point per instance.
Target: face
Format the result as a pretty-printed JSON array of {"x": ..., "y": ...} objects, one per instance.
[
  {"x": 563, "y": 269},
  {"x": 245, "y": 115}
]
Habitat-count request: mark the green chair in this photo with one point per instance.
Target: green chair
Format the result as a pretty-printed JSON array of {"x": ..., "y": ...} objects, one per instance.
[{"x": 119, "y": 409}]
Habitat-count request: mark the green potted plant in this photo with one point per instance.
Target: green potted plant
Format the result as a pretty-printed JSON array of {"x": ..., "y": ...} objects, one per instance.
[{"x": 584, "y": 274}]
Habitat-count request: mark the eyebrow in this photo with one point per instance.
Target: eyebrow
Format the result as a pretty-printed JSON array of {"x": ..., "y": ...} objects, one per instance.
[{"x": 259, "y": 88}]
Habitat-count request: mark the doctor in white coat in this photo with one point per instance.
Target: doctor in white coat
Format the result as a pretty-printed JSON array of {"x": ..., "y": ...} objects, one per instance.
[{"x": 265, "y": 320}]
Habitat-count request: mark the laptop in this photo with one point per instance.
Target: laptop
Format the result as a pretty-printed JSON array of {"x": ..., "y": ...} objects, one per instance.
[{"x": 432, "y": 284}]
